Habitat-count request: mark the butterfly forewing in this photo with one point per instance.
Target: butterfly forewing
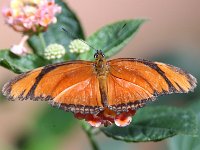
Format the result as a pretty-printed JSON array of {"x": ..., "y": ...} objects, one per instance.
[
  {"x": 19, "y": 87},
  {"x": 62, "y": 77},
  {"x": 131, "y": 82},
  {"x": 180, "y": 80},
  {"x": 70, "y": 85}
]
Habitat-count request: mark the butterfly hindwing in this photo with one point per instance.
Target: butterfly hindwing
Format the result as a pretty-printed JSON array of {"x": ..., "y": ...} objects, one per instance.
[
  {"x": 132, "y": 82},
  {"x": 124, "y": 95},
  {"x": 82, "y": 97}
]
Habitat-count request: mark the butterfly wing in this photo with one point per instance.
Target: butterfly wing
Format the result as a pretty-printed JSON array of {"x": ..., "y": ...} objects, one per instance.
[
  {"x": 82, "y": 97},
  {"x": 72, "y": 85},
  {"x": 132, "y": 82}
]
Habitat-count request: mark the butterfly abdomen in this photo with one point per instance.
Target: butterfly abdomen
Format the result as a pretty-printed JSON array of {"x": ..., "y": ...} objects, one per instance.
[{"x": 103, "y": 90}]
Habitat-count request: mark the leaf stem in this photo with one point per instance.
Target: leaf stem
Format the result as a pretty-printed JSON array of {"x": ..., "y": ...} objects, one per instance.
[
  {"x": 90, "y": 135},
  {"x": 42, "y": 40}
]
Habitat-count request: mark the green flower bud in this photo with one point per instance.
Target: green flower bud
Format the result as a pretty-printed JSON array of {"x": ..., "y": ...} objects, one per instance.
[
  {"x": 54, "y": 51},
  {"x": 78, "y": 46}
]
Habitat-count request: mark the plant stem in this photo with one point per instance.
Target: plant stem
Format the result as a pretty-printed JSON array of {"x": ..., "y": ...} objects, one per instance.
[
  {"x": 42, "y": 40},
  {"x": 90, "y": 135}
]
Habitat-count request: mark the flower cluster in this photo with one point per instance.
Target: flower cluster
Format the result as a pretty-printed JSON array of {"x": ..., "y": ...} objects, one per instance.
[
  {"x": 30, "y": 16},
  {"x": 78, "y": 46},
  {"x": 107, "y": 117},
  {"x": 54, "y": 51}
]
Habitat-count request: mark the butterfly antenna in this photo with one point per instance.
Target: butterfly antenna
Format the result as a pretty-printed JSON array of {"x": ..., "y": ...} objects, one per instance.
[
  {"x": 117, "y": 35},
  {"x": 75, "y": 37},
  {"x": 123, "y": 27}
]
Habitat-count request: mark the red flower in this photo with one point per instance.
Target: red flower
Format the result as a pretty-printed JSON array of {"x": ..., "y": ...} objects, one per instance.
[{"x": 107, "y": 117}]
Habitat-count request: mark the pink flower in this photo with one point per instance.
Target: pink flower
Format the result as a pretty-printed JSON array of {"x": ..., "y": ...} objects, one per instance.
[
  {"x": 29, "y": 16},
  {"x": 20, "y": 49},
  {"x": 107, "y": 117}
]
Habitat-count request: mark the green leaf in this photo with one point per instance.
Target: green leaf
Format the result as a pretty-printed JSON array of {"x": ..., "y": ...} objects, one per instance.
[
  {"x": 112, "y": 38},
  {"x": 187, "y": 142},
  {"x": 19, "y": 64},
  {"x": 68, "y": 20},
  {"x": 155, "y": 124},
  {"x": 51, "y": 126}
]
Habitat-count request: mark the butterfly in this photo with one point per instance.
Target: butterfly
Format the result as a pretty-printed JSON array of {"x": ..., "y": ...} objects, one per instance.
[{"x": 101, "y": 92}]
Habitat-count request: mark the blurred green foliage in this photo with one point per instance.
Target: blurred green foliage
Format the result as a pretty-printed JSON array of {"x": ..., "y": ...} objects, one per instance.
[
  {"x": 181, "y": 142},
  {"x": 49, "y": 129}
]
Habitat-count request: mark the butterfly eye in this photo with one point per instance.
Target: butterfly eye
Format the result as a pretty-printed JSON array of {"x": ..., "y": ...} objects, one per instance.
[{"x": 96, "y": 55}]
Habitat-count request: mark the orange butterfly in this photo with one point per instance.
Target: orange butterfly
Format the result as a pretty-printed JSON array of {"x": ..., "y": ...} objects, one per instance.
[{"x": 101, "y": 92}]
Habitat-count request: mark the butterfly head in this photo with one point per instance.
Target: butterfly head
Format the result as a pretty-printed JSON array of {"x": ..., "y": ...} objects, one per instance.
[
  {"x": 99, "y": 55},
  {"x": 100, "y": 63}
]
